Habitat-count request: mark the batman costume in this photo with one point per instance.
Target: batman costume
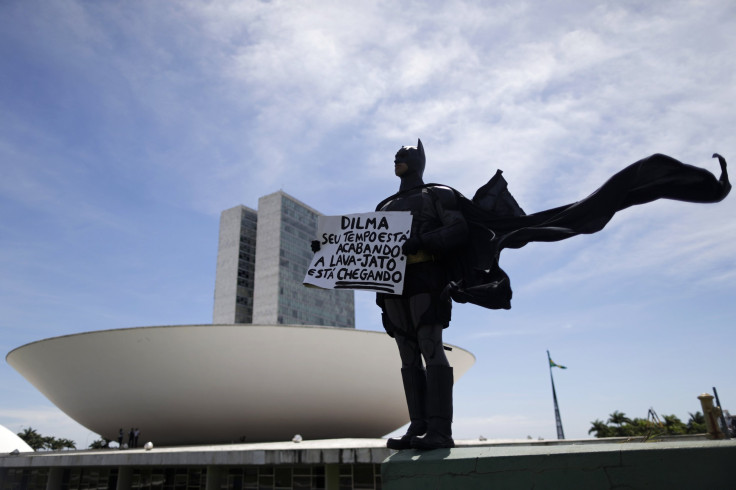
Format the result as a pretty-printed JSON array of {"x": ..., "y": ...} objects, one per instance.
[
  {"x": 453, "y": 254},
  {"x": 497, "y": 222},
  {"x": 415, "y": 318}
]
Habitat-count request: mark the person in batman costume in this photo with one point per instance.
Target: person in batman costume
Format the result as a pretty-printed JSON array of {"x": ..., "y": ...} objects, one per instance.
[
  {"x": 415, "y": 318},
  {"x": 453, "y": 255}
]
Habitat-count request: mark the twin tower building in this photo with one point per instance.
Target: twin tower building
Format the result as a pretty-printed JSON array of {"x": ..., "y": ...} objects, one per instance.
[{"x": 262, "y": 258}]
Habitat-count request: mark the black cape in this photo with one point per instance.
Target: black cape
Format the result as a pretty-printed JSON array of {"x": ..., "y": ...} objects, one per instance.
[{"x": 496, "y": 220}]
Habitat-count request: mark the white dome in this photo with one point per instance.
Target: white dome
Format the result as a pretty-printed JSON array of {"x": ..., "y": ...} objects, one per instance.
[
  {"x": 193, "y": 384},
  {"x": 9, "y": 442}
]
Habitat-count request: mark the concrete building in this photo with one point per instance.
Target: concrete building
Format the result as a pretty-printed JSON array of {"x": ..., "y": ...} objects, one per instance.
[
  {"x": 261, "y": 261},
  {"x": 344, "y": 464},
  {"x": 236, "y": 265},
  {"x": 217, "y": 384},
  {"x": 322, "y": 464}
]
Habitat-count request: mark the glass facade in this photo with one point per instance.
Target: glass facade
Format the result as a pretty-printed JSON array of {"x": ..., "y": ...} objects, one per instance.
[
  {"x": 235, "y": 275},
  {"x": 24, "y": 478},
  {"x": 299, "y": 305},
  {"x": 275, "y": 477},
  {"x": 263, "y": 257},
  {"x": 246, "y": 269},
  {"x": 356, "y": 476}
]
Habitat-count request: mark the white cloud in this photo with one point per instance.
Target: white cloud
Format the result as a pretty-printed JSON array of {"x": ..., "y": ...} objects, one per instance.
[{"x": 525, "y": 88}]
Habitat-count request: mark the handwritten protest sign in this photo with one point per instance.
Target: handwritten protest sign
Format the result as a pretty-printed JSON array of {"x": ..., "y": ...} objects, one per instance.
[{"x": 361, "y": 251}]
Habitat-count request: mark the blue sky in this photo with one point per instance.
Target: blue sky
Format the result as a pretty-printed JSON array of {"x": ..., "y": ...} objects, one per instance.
[{"x": 126, "y": 127}]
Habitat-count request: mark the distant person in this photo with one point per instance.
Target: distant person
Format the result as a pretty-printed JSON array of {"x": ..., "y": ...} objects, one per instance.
[
  {"x": 136, "y": 433},
  {"x": 120, "y": 438},
  {"x": 131, "y": 437}
]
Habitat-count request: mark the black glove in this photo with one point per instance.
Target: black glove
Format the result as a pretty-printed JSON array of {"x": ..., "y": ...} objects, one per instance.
[
  {"x": 316, "y": 246},
  {"x": 411, "y": 246}
]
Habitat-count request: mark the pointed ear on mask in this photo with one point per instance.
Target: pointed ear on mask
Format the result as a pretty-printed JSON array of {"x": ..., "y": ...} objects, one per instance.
[{"x": 420, "y": 148}]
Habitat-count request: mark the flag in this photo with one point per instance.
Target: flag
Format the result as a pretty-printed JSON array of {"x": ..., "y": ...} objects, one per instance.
[{"x": 552, "y": 363}]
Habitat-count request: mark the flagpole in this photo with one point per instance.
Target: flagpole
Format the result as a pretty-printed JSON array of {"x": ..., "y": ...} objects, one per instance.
[{"x": 560, "y": 432}]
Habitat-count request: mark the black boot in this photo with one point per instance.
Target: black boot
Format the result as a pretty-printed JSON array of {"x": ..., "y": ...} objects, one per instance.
[
  {"x": 415, "y": 389},
  {"x": 439, "y": 410}
]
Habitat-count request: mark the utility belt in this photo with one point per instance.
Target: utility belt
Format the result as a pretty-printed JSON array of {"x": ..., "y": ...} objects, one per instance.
[{"x": 421, "y": 256}]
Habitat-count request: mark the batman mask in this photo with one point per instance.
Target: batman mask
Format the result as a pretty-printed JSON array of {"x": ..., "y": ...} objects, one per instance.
[{"x": 413, "y": 156}]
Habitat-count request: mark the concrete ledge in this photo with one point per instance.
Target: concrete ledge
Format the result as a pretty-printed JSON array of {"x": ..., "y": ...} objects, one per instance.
[{"x": 635, "y": 465}]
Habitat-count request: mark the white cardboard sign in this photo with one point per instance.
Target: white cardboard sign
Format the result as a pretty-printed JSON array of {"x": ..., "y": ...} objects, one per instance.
[{"x": 361, "y": 251}]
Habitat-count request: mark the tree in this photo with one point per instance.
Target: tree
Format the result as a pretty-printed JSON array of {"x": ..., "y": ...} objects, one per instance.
[
  {"x": 620, "y": 420},
  {"x": 619, "y": 425},
  {"x": 55, "y": 444},
  {"x": 33, "y": 438},
  {"x": 673, "y": 425},
  {"x": 101, "y": 443},
  {"x": 696, "y": 424},
  {"x": 643, "y": 427},
  {"x": 600, "y": 428},
  {"x": 37, "y": 441}
]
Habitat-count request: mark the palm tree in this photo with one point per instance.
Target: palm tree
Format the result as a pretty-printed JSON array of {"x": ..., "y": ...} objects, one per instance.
[
  {"x": 33, "y": 438},
  {"x": 37, "y": 441},
  {"x": 642, "y": 427},
  {"x": 101, "y": 443},
  {"x": 57, "y": 444},
  {"x": 673, "y": 425},
  {"x": 600, "y": 429},
  {"x": 620, "y": 420},
  {"x": 696, "y": 424}
]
